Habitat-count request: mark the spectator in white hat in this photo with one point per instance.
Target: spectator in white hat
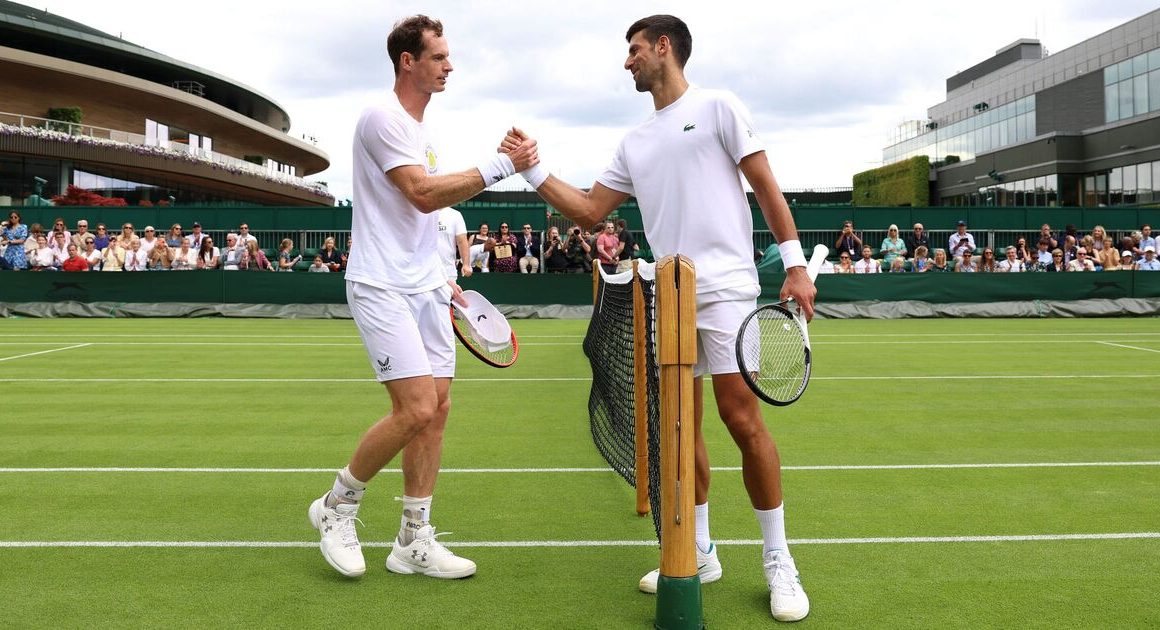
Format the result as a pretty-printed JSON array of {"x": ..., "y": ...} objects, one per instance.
[
  {"x": 1127, "y": 261},
  {"x": 1149, "y": 263},
  {"x": 149, "y": 241}
]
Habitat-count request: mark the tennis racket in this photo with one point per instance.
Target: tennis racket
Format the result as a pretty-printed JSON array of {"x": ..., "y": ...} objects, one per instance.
[
  {"x": 773, "y": 346},
  {"x": 484, "y": 331}
]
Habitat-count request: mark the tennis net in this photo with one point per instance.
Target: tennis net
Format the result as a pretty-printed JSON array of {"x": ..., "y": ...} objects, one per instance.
[{"x": 610, "y": 345}]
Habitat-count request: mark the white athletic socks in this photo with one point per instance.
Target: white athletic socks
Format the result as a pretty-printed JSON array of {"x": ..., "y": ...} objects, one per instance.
[
  {"x": 416, "y": 514},
  {"x": 346, "y": 489},
  {"x": 701, "y": 512},
  {"x": 772, "y": 528}
]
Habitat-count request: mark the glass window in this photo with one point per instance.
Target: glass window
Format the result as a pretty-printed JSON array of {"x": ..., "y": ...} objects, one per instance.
[
  {"x": 1154, "y": 90},
  {"x": 1125, "y": 69},
  {"x": 1144, "y": 177},
  {"x": 1111, "y": 75},
  {"x": 1154, "y": 60},
  {"x": 995, "y": 143},
  {"x": 1140, "y": 86},
  {"x": 1155, "y": 175},
  {"x": 1031, "y": 131},
  {"x": 1112, "y": 103},
  {"x": 1116, "y": 180},
  {"x": 1126, "y": 99},
  {"x": 1129, "y": 178},
  {"x": 1139, "y": 65}
]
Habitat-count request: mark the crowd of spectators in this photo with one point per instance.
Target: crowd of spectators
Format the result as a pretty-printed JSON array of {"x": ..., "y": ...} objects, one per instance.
[
  {"x": 1066, "y": 251},
  {"x": 609, "y": 244}
]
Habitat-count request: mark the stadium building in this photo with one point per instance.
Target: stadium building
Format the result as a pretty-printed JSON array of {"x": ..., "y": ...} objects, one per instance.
[
  {"x": 79, "y": 106},
  {"x": 1080, "y": 127}
]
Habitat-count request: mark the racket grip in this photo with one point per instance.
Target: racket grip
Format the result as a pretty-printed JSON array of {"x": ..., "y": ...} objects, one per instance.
[{"x": 816, "y": 260}]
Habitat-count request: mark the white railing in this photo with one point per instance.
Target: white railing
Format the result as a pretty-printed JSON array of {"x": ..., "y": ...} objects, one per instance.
[{"x": 114, "y": 136}]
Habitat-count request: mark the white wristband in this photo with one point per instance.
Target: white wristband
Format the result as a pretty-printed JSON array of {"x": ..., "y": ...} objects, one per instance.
[
  {"x": 536, "y": 175},
  {"x": 496, "y": 168},
  {"x": 791, "y": 254}
]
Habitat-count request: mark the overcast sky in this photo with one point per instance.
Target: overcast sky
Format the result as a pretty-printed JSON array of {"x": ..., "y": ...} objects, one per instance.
[{"x": 826, "y": 81}]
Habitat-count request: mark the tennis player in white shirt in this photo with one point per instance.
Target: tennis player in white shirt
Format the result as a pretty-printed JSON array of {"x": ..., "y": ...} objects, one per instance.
[
  {"x": 684, "y": 165},
  {"x": 398, "y": 292}
]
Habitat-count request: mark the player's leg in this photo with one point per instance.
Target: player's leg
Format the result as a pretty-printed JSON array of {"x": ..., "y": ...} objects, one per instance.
[{"x": 416, "y": 550}]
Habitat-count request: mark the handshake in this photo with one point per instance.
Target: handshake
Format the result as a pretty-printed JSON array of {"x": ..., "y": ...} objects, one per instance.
[{"x": 524, "y": 155}]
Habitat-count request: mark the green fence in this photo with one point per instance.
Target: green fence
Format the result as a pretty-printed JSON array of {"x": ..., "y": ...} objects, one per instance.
[{"x": 218, "y": 287}]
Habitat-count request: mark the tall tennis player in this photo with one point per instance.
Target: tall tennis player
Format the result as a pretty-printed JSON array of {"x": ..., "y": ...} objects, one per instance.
[
  {"x": 684, "y": 165},
  {"x": 398, "y": 293}
]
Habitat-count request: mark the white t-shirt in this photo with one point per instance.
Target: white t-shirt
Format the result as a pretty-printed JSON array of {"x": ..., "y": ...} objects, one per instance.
[
  {"x": 867, "y": 266},
  {"x": 681, "y": 164},
  {"x": 395, "y": 244},
  {"x": 451, "y": 225}
]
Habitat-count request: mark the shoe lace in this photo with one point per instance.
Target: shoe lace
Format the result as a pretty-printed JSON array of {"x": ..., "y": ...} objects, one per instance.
[
  {"x": 783, "y": 577},
  {"x": 344, "y": 524},
  {"x": 434, "y": 547}
]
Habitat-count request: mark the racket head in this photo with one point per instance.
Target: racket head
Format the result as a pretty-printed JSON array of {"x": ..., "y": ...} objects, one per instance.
[
  {"x": 773, "y": 353},
  {"x": 484, "y": 331}
]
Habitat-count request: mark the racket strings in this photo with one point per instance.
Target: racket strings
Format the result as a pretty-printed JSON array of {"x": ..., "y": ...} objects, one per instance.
[
  {"x": 774, "y": 354},
  {"x": 499, "y": 357}
]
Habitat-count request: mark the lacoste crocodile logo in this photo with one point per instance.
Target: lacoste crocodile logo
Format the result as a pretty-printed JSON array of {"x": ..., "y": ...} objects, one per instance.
[{"x": 690, "y": 127}]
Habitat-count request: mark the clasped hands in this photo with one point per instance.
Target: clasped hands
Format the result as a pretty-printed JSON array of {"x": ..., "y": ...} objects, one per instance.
[{"x": 520, "y": 148}]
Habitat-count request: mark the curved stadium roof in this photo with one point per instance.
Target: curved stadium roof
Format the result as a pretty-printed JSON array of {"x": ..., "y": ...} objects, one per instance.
[{"x": 38, "y": 31}]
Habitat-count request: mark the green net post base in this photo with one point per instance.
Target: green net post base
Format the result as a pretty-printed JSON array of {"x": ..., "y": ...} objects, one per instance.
[{"x": 679, "y": 603}]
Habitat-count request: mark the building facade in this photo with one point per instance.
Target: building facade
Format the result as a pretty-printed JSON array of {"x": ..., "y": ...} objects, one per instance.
[
  {"x": 1080, "y": 127},
  {"x": 79, "y": 106}
]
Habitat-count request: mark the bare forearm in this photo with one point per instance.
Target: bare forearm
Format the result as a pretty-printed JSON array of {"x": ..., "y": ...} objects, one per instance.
[
  {"x": 435, "y": 192},
  {"x": 777, "y": 214}
]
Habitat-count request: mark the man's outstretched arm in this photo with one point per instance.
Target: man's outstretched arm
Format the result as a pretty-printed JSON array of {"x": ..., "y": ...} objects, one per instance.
[{"x": 429, "y": 193}]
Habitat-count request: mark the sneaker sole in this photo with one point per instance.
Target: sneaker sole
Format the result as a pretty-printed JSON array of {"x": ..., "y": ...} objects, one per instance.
[
  {"x": 796, "y": 615},
  {"x": 395, "y": 565},
  {"x": 314, "y": 518}
]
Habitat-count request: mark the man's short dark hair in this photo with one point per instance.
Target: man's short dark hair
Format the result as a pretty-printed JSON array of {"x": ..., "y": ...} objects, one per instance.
[
  {"x": 407, "y": 37},
  {"x": 672, "y": 27},
  {"x": 621, "y": 223}
]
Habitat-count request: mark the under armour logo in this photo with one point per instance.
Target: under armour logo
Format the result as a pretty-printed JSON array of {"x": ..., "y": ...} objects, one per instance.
[
  {"x": 327, "y": 528},
  {"x": 415, "y": 556}
]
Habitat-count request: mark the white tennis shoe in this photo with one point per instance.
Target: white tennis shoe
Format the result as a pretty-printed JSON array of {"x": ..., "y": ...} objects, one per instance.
[
  {"x": 339, "y": 544},
  {"x": 787, "y": 598},
  {"x": 708, "y": 567},
  {"x": 426, "y": 556}
]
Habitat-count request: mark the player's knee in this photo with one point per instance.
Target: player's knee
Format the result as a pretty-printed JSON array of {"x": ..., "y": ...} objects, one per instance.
[
  {"x": 745, "y": 429},
  {"x": 418, "y": 414}
]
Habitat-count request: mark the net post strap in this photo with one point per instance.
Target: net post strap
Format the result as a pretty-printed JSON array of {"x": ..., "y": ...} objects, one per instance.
[{"x": 640, "y": 394}]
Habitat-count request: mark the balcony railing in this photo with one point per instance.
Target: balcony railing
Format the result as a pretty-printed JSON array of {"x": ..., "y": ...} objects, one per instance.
[{"x": 49, "y": 129}]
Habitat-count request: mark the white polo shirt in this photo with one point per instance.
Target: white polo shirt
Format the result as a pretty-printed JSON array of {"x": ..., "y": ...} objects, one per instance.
[
  {"x": 395, "y": 245},
  {"x": 451, "y": 225},
  {"x": 681, "y": 164}
]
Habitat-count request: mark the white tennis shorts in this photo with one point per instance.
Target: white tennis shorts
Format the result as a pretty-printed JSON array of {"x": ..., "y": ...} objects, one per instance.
[
  {"x": 719, "y": 316},
  {"x": 405, "y": 335}
]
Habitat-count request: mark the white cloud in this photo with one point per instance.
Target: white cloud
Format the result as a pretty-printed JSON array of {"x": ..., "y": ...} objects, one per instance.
[{"x": 826, "y": 81}]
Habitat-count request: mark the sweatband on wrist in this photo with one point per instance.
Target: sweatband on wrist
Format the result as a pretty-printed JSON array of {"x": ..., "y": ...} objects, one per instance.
[
  {"x": 791, "y": 254},
  {"x": 536, "y": 175},
  {"x": 496, "y": 169}
]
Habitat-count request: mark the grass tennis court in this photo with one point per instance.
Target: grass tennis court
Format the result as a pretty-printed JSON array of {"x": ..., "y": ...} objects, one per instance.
[{"x": 939, "y": 473}]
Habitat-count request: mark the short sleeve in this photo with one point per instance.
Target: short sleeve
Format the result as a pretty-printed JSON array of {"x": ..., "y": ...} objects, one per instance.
[
  {"x": 735, "y": 128},
  {"x": 460, "y": 226},
  {"x": 616, "y": 175},
  {"x": 389, "y": 140}
]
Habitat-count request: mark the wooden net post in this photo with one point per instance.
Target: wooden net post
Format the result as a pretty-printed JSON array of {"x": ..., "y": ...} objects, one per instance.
[
  {"x": 679, "y": 586},
  {"x": 640, "y": 392}
]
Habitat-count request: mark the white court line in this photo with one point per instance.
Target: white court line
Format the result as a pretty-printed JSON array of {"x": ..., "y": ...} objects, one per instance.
[
  {"x": 263, "y": 344},
  {"x": 570, "y": 379},
  {"x": 1119, "y": 345},
  {"x": 122, "y": 469},
  {"x": 1029, "y": 335},
  {"x": 32, "y": 354},
  {"x": 262, "y": 544}
]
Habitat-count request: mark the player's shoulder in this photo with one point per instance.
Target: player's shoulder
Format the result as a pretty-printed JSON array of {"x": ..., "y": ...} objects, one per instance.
[{"x": 387, "y": 112}]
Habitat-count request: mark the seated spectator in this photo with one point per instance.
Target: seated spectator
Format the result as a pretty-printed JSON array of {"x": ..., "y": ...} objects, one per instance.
[
  {"x": 150, "y": 240},
  {"x": 989, "y": 265},
  {"x": 73, "y": 260},
  {"x": 161, "y": 258},
  {"x": 1069, "y": 231},
  {"x": 1129, "y": 244},
  {"x": 59, "y": 250},
  {"x": 1056, "y": 264},
  {"x": 113, "y": 256},
  {"x": 184, "y": 258},
  {"x": 1146, "y": 238},
  {"x": 102, "y": 237},
  {"x": 318, "y": 266},
  {"x": 849, "y": 241},
  {"x": 1044, "y": 253},
  {"x": 479, "y": 248},
  {"x": 126, "y": 236},
  {"x": 54, "y": 237},
  {"x": 92, "y": 254},
  {"x": 1070, "y": 248},
  {"x": 255, "y": 259},
  {"x": 555, "y": 261},
  {"x": 232, "y": 256},
  {"x": 966, "y": 263},
  {"x": 285, "y": 261},
  {"x": 845, "y": 265},
  {"x": 607, "y": 245},
  {"x": 1089, "y": 245},
  {"x": 578, "y": 251},
  {"x": 503, "y": 253},
  {"x": 920, "y": 263},
  {"x": 961, "y": 241},
  {"x": 244, "y": 236},
  {"x": 528, "y": 250},
  {"x": 939, "y": 264},
  {"x": 174, "y": 237},
  {"x": 898, "y": 265},
  {"x": 1011, "y": 264},
  {"x": 1098, "y": 235},
  {"x": 1127, "y": 261},
  {"x": 1046, "y": 233},
  {"x": 1150, "y": 262},
  {"x": 867, "y": 264},
  {"x": 331, "y": 257},
  {"x": 1023, "y": 254},
  {"x": 135, "y": 258},
  {"x": 917, "y": 239},
  {"x": 208, "y": 256},
  {"x": 1108, "y": 258},
  {"x": 1081, "y": 262},
  {"x": 628, "y": 247},
  {"x": 195, "y": 237},
  {"x": 42, "y": 258},
  {"x": 892, "y": 246},
  {"x": 30, "y": 243},
  {"x": 78, "y": 237}
]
